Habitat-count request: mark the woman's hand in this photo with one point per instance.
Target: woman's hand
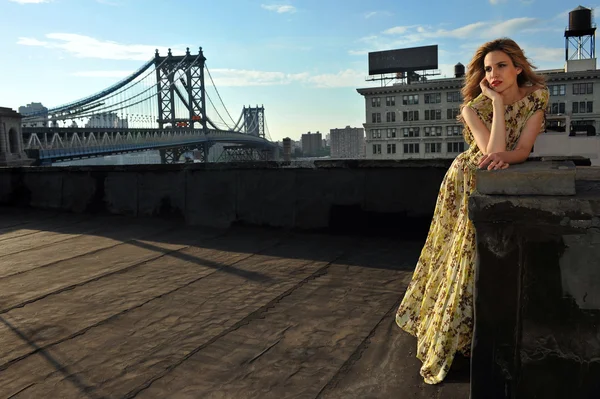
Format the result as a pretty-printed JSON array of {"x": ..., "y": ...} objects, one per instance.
[
  {"x": 493, "y": 161},
  {"x": 488, "y": 91}
]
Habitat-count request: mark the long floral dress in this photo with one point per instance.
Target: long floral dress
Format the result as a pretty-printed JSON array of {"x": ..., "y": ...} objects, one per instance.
[{"x": 438, "y": 305}]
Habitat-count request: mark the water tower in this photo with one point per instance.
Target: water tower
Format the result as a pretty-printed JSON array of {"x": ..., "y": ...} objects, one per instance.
[{"x": 580, "y": 41}]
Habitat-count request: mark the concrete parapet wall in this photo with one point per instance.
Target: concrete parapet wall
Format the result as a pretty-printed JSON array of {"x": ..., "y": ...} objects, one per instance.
[
  {"x": 537, "y": 291},
  {"x": 328, "y": 194}
]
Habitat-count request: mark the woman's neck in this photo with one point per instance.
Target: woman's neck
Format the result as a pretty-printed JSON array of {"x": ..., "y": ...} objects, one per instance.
[{"x": 512, "y": 94}]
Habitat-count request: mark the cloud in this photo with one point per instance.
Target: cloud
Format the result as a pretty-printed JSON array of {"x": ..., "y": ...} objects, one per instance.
[
  {"x": 88, "y": 47},
  {"x": 377, "y": 14},
  {"x": 404, "y": 36},
  {"x": 544, "y": 54},
  {"x": 241, "y": 78},
  {"x": 30, "y": 1},
  {"x": 279, "y": 8},
  {"x": 496, "y": 2}
]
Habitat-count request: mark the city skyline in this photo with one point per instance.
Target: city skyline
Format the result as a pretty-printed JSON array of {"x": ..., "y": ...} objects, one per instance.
[{"x": 302, "y": 60}]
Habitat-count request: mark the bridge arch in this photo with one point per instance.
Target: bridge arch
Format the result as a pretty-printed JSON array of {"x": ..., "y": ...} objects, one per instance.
[{"x": 13, "y": 140}]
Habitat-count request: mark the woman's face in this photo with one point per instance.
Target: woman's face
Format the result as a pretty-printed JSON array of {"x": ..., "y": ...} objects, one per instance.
[{"x": 500, "y": 72}]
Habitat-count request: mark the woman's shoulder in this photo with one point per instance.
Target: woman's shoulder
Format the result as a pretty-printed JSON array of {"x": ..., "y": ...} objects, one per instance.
[
  {"x": 539, "y": 93},
  {"x": 538, "y": 97},
  {"x": 480, "y": 101}
]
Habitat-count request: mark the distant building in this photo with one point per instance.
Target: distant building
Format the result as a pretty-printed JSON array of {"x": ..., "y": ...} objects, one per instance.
[
  {"x": 348, "y": 142},
  {"x": 107, "y": 120},
  {"x": 37, "y": 109},
  {"x": 312, "y": 143}
]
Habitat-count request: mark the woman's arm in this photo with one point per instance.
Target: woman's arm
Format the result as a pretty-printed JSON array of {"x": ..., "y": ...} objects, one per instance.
[
  {"x": 488, "y": 142},
  {"x": 496, "y": 160}
]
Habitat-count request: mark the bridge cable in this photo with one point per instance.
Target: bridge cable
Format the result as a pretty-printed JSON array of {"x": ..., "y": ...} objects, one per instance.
[
  {"x": 108, "y": 108},
  {"x": 215, "y": 86}
]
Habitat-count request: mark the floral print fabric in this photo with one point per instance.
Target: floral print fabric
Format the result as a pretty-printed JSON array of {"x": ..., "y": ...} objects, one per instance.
[{"x": 438, "y": 304}]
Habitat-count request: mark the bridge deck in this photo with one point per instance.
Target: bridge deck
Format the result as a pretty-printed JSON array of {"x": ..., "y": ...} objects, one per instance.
[{"x": 111, "y": 307}]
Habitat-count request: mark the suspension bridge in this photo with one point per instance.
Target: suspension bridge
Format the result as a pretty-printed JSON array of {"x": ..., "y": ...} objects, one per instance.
[{"x": 162, "y": 106}]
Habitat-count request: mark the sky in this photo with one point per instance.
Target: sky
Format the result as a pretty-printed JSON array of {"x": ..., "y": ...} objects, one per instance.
[{"x": 301, "y": 59}]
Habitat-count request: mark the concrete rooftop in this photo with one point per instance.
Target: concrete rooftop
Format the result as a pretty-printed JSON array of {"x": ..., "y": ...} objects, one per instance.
[{"x": 115, "y": 307}]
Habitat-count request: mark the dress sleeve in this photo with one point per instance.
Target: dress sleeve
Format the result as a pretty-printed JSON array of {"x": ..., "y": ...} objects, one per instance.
[
  {"x": 467, "y": 134},
  {"x": 540, "y": 102}
]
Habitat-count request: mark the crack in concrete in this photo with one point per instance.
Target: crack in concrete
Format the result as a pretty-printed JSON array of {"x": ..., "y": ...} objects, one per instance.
[
  {"x": 80, "y": 255},
  {"x": 116, "y": 315},
  {"x": 257, "y": 314},
  {"x": 43, "y": 231},
  {"x": 21, "y": 391},
  {"x": 356, "y": 355}
]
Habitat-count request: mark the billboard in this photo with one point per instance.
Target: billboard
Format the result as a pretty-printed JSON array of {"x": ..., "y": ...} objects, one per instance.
[{"x": 403, "y": 60}]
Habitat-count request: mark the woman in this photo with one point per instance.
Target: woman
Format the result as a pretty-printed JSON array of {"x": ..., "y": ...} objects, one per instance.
[{"x": 502, "y": 113}]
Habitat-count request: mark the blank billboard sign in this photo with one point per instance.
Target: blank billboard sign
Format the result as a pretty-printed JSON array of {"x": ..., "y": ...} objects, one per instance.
[{"x": 403, "y": 60}]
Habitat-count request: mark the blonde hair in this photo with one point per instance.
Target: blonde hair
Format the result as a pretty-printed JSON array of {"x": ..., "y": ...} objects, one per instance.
[{"x": 476, "y": 73}]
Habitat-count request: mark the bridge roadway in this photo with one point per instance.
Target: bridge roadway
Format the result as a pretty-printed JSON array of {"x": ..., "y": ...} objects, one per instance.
[
  {"x": 112, "y": 307},
  {"x": 49, "y": 145}
]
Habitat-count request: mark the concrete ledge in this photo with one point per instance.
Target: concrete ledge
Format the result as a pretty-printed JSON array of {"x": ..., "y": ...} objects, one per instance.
[
  {"x": 529, "y": 178},
  {"x": 537, "y": 294}
]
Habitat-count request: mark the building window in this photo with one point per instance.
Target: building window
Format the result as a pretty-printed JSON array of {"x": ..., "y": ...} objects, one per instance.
[
  {"x": 433, "y": 114},
  {"x": 391, "y": 148},
  {"x": 410, "y": 131},
  {"x": 557, "y": 90},
  {"x": 452, "y": 113},
  {"x": 454, "y": 97},
  {"x": 582, "y": 107},
  {"x": 376, "y": 149},
  {"x": 410, "y": 116},
  {"x": 456, "y": 147},
  {"x": 410, "y": 99},
  {"x": 433, "y": 98},
  {"x": 453, "y": 130},
  {"x": 412, "y": 148},
  {"x": 391, "y": 133},
  {"x": 390, "y": 101},
  {"x": 376, "y": 117},
  {"x": 390, "y": 116},
  {"x": 376, "y": 102},
  {"x": 583, "y": 88},
  {"x": 433, "y": 147},
  {"x": 433, "y": 131},
  {"x": 376, "y": 133},
  {"x": 557, "y": 108}
]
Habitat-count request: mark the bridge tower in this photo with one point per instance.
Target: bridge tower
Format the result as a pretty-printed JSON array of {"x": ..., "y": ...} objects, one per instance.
[
  {"x": 194, "y": 99},
  {"x": 11, "y": 139},
  {"x": 254, "y": 121}
]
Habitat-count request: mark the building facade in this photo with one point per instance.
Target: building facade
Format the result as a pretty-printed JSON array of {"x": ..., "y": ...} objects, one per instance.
[
  {"x": 416, "y": 120},
  {"x": 348, "y": 142},
  {"x": 312, "y": 143}
]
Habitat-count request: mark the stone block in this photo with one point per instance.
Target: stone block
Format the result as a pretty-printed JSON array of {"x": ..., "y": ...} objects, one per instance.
[
  {"x": 161, "y": 194},
  {"x": 411, "y": 191},
  {"x": 266, "y": 197},
  {"x": 79, "y": 189},
  {"x": 44, "y": 187},
  {"x": 211, "y": 198},
  {"x": 6, "y": 186},
  {"x": 317, "y": 191},
  {"x": 121, "y": 193},
  {"x": 529, "y": 178}
]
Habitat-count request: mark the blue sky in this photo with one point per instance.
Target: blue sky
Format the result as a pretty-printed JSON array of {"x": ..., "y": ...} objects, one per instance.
[{"x": 301, "y": 59}]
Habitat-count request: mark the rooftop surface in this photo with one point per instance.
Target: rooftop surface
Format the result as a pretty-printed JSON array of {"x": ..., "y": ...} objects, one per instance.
[{"x": 113, "y": 307}]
